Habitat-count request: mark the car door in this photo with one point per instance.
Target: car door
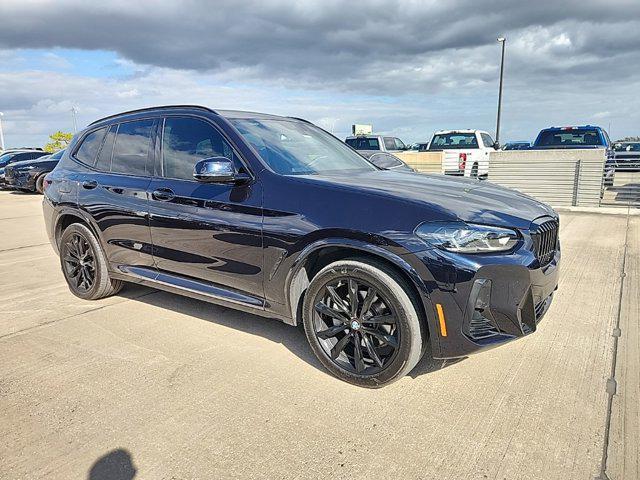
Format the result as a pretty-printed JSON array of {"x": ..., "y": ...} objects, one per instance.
[
  {"x": 113, "y": 190},
  {"x": 211, "y": 232}
]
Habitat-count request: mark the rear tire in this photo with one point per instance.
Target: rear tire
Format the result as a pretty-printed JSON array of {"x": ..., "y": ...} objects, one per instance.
[
  {"x": 372, "y": 344},
  {"x": 474, "y": 171},
  {"x": 84, "y": 265}
]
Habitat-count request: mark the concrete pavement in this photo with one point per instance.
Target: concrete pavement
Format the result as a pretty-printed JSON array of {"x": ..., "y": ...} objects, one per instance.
[{"x": 160, "y": 386}]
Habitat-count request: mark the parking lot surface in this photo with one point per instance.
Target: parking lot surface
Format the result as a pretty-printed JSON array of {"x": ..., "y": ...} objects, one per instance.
[{"x": 159, "y": 386}]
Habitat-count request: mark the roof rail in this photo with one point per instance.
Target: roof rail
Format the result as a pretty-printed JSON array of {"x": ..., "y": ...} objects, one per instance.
[{"x": 146, "y": 109}]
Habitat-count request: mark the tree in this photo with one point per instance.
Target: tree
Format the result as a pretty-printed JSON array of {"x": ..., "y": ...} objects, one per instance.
[{"x": 58, "y": 141}]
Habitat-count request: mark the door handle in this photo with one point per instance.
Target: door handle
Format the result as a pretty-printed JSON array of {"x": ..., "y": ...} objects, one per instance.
[
  {"x": 89, "y": 184},
  {"x": 163, "y": 194}
]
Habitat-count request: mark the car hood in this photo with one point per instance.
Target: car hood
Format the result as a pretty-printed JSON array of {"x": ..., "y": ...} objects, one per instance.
[{"x": 446, "y": 198}]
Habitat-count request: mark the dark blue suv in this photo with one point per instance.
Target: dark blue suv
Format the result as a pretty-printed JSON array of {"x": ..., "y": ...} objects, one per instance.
[{"x": 274, "y": 216}]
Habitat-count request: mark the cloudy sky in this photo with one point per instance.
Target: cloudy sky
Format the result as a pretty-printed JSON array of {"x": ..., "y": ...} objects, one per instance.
[{"x": 407, "y": 67}]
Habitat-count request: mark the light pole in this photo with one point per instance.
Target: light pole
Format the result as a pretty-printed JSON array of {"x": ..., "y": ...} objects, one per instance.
[
  {"x": 1, "y": 133},
  {"x": 503, "y": 41},
  {"x": 75, "y": 123}
]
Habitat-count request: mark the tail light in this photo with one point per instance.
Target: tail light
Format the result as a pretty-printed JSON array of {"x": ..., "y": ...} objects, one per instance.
[
  {"x": 47, "y": 182},
  {"x": 462, "y": 161}
]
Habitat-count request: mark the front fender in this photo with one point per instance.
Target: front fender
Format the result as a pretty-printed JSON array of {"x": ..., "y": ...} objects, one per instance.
[{"x": 297, "y": 280}]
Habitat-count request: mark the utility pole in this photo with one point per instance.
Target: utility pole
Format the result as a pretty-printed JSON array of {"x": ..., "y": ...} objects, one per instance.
[
  {"x": 74, "y": 110},
  {"x": 503, "y": 41}
]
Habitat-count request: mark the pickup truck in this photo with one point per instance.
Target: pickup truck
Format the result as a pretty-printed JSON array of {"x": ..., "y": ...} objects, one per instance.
[
  {"x": 582, "y": 136},
  {"x": 379, "y": 143},
  {"x": 466, "y": 152}
]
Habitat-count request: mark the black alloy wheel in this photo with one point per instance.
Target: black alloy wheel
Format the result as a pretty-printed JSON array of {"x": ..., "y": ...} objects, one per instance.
[
  {"x": 356, "y": 326},
  {"x": 79, "y": 262},
  {"x": 362, "y": 322},
  {"x": 84, "y": 264}
]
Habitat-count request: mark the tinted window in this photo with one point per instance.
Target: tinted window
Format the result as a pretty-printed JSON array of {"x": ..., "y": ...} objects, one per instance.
[
  {"x": 487, "y": 140},
  {"x": 89, "y": 147},
  {"x": 132, "y": 147},
  {"x": 569, "y": 137},
  {"x": 445, "y": 141},
  {"x": 363, "y": 143},
  {"x": 104, "y": 157},
  {"x": 389, "y": 143},
  {"x": 186, "y": 141}
]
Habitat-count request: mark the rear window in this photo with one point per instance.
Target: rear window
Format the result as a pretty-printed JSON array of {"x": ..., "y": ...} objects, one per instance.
[
  {"x": 568, "y": 138},
  {"x": 363, "y": 143},
  {"x": 446, "y": 141}
]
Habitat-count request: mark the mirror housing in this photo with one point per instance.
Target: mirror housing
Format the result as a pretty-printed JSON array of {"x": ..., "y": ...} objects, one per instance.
[
  {"x": 215, "y": 170},
  {"x": 496, "y": 145}
]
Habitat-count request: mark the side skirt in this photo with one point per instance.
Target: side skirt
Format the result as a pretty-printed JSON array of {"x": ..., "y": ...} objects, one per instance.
[{"x": 195, "y": 289}]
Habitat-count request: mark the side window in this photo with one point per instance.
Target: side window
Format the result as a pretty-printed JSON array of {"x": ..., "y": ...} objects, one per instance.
[
  {"x": 89, "y": 147},
  {"x": 104, "y": 157},
  {"x": 487, "y": 140},
  {"x": 389, "y": 143},
  {"x": 399, "y": 144},
  {"x": 132, "y": 147},
  {"x": 186, "y": 141}
]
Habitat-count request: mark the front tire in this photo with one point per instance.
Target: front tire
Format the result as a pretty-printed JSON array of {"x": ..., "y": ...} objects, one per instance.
[
  {"x": 84, "y": 265},
  {"x": 361, "y": 323}
]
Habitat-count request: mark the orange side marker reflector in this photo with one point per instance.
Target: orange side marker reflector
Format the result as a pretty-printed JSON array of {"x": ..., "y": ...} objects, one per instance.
[{"x": 443, "y": 324}]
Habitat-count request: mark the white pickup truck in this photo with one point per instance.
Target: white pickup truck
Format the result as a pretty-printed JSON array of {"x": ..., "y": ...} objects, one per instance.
[{"x": 466, "y": 152}]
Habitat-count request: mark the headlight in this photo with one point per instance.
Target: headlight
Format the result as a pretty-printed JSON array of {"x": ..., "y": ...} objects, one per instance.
[{"x": 463, "y": 237}]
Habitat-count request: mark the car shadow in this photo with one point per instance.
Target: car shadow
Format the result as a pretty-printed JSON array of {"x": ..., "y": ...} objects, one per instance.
[
  {"x": 115, "y": 465},
  {"x": 292, "y": 338}
]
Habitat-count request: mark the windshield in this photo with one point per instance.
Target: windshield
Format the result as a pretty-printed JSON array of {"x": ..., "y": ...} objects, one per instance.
[
  {"x": 4, "y": 159},
  {"x": 292, "y": 147},
  {"x": 363, "y": 143},
  {"x": 564, "y": 138},
  {"x": 445, "y": 141}
]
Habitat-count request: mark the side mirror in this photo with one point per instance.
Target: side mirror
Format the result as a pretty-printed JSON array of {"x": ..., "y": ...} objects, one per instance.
[
  {"x": 215, "y": 170},
  {"x": 496, "y": 145}
]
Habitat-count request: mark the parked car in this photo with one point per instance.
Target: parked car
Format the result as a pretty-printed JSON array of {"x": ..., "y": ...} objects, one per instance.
[
  {"x": 626, "y": 156},
  {"x": 366, "y": 143},
  {"x": 16, "y": 155},
  {"x": 386, "y": 161},
  {"x": 517, "y": 146},
  {"x": 28, "y": 175},
  {"x": 466, "y": 152},
  {"x": 573, "y": 137},
  {"x": 274, "y": 216}
]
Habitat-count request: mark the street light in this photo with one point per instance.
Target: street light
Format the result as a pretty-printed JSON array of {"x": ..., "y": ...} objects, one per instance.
[
  {"x": 1, "y": 133},
  {"x": 503, "y": 41},
  {"x": 74, "y": 110}
]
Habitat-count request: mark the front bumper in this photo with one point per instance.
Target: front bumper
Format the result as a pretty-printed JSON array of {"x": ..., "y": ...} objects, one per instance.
[{"x": 485, "y": 300}]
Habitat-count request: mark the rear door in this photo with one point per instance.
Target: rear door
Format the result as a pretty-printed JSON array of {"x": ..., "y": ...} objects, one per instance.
[
  {"x": 113, "y": 190},
  {"x": 206, "y": 231}
]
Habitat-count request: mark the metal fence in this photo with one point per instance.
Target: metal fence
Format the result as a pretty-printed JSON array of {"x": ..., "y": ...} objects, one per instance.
[{"x": 582, "y": 178}]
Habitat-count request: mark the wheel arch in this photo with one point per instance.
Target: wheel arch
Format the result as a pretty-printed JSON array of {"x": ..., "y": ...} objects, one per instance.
[
  {"x": 67, "y": 217},
  {"x": 318, "y": 255}
]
